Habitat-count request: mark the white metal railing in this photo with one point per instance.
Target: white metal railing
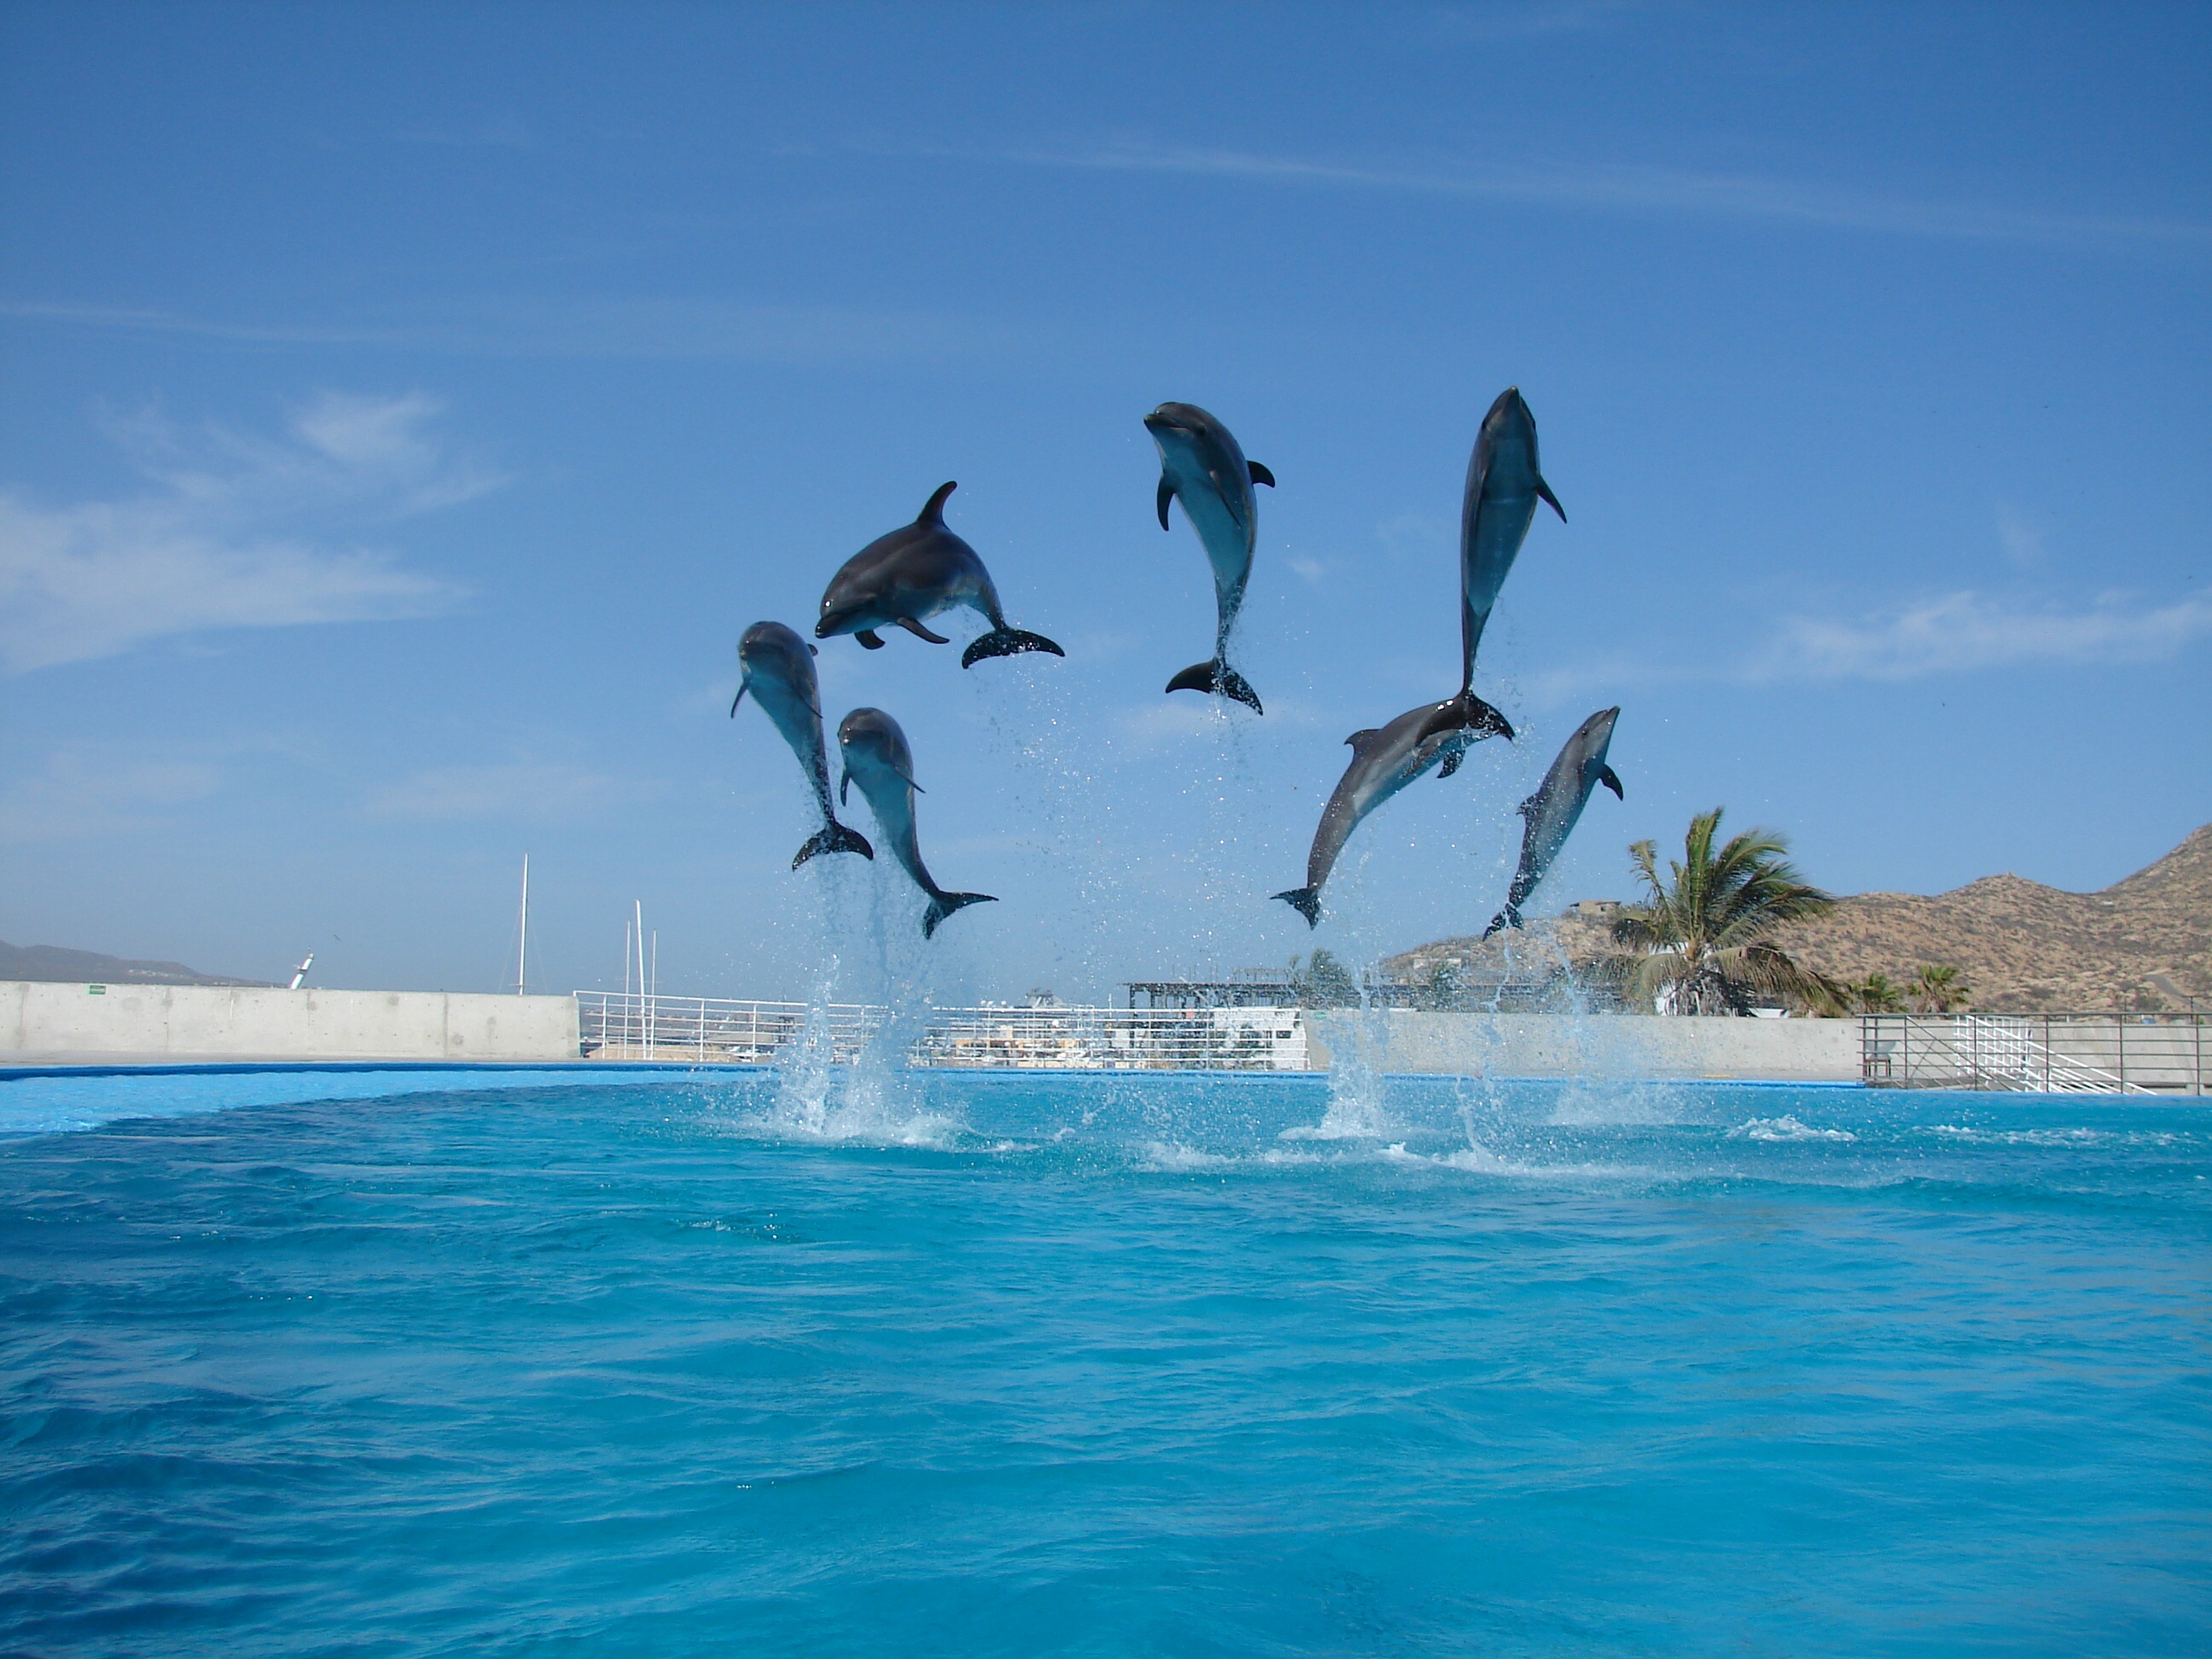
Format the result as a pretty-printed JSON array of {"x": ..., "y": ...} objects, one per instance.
[
  {"x": 2042, "y": 1054},
  {"x": 710, "y": 1031}
]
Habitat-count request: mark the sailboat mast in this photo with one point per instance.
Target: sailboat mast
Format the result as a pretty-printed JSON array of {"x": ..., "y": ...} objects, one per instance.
[{"x": 522, "y": 950}]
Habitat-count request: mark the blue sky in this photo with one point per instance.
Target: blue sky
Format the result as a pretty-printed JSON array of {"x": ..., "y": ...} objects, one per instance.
[{"x": 403, "y": 410}]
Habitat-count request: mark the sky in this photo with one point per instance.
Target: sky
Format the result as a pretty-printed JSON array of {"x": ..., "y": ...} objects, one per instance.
[{"x": 404, "y": 409}]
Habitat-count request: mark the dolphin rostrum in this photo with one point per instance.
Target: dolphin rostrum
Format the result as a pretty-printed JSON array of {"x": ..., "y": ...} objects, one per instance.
[
  {"x": 911, "y": 574},
  {"x": 1383, "y": 762},
  {"x": 1504, "y": 484},
  {"x": 1551, "y": 813},
  {"x": 878, "y": 759},
  {"x": 778, "y": 668},
  {"x": 1202, "y": 466}
]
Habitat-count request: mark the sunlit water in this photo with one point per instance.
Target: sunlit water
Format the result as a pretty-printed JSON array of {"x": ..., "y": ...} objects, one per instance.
[{"x": 1024, "y": 1364}]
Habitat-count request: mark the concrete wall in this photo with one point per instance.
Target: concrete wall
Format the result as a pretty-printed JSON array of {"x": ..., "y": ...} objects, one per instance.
[
  {"x": 1604, "y": 1045},
  {"x": 188, "y": 1022}
]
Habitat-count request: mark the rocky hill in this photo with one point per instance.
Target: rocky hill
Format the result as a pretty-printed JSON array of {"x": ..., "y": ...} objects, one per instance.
[
  {"x": 53, "y": 962},
  {"x": 2022, "y": 946}
]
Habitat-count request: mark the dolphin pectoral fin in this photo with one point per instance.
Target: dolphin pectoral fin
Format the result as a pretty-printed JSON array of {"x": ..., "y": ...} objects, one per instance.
[
  {"x": 735, "y": 701},
  {"x": 1260, "y": 475},
  {"x": 1006, "y": 642},
  {"x": 1611, "y": 780},
  {"x": 833, "y": 837},
  {"x": 844, "y": 789},
  {"x": 870, "y": 638},
  {"x": 942, "y": 905},
  {"x": 1167, "y": 495},
  {"x": 1509, "y": 917},
  {"x": 1545, "y": 491},
  {"x": 933, "y": 511},
  {"x": 1306, "y": 901},
  {"x": 921, "y": 633},
  {"x": 1466, "y": 712},
  {"x": 813, "y": 650},
  {"x": 1456, "y": 754}
]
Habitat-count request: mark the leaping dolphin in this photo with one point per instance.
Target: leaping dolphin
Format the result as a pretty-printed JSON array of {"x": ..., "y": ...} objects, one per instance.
[
  {"x": 1383, "y": 762},
  {"x": 1504, "y": 484},
  {"x": 911, "y": 574},
  {"x": 1551, "y": 813},
  {"x": 778, "y": 668},
  {"x": 1202, "y": 466},
  {"x": 878, "y": 759}
]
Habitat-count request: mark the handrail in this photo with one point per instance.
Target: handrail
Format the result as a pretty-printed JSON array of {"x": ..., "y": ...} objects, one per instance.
[
  {"x": 2157, "y": 1054},
  {"x": 714, "y": 1031}
]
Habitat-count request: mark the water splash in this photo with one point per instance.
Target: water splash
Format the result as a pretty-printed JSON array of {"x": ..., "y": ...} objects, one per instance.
[{"x": 835, "y": 1083}]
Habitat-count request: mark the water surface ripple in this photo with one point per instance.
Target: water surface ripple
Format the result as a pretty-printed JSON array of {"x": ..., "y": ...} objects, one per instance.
[{"x": 1025, "y": 1365}]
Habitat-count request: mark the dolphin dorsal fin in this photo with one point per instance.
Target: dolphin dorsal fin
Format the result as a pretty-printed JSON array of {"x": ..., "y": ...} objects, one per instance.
[
  {"x": 1260, "y": 474},
  {"x": 933, "y": 511},
  {"x": 1361, "y": 741},
  {"x": 1527, "y": 807}
]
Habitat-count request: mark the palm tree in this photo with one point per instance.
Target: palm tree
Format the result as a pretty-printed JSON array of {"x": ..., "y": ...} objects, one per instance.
[
  {"x": 1939, "y": 988},
  {"x": 1702, "y": 936},
  {"x": 1323, "y": 982},
  {"x": 1877, "y": 994}
]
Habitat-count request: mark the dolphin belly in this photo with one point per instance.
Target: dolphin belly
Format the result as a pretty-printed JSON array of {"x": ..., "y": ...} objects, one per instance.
[{"x": 1500, "y": 528}]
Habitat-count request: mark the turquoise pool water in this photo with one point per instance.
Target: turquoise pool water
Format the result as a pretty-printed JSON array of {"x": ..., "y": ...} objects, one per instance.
[{"x": 1021, "y": 1364}]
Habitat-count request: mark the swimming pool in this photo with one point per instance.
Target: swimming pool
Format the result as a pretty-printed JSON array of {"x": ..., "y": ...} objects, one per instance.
[{"x": 1019, "y": 1363}]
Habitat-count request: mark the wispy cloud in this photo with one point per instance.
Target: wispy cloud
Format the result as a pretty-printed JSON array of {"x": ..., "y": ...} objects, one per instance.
[
  {"x": 76, "y": 795},
  {"x": 513, "y": 789},
  {"x": 232, "y": 534},
  {"x": 507, "y": 131},
  {"x": 661, "y": 328},
  {"x": 1959, "y": 632},
  {"x": 2021, "y": 536},
  {"x": 1616, "y": 187}
]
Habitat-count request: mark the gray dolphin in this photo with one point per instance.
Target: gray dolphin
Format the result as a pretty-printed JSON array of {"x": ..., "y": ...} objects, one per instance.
[
  {"x": 1504, "y": 484},
  {"x": 911, "y": 574},
  {"x": 878, "y": 759},
  {"x": 1549, "y": 815},
  {"x": 1202, "y": 466},
  {"x": 777, "y": 667},
  {"x": 1383, "y": 762}
]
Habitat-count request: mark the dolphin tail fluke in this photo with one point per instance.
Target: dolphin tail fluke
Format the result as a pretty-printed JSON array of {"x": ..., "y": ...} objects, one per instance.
[
  {"x": 1509, "y": 917},
  {"x": 1006, "y": 642},
  {"x": 1306, "y": 901},
  {"x": 1466, "y": 713},
  {"x": 833, "y": 837},
  {"x": 1219, "y": 678},
  {"x": 942, "y": 905}
]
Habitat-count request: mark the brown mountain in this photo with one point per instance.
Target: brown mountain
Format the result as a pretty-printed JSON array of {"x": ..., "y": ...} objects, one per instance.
[
  {"x": 2022, "y": 947},
  {"x": 54, "y": 963},
  {"x": 2025, "y": 947}
]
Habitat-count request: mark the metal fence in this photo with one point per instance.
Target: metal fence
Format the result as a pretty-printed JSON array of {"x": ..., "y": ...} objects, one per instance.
[
  {"x": 714, "y": 1031},
  {"x": 2160, "y": 1054}
]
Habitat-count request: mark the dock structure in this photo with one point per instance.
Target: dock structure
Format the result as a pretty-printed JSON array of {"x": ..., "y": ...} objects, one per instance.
[{"x": 45, "y": 1025}]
